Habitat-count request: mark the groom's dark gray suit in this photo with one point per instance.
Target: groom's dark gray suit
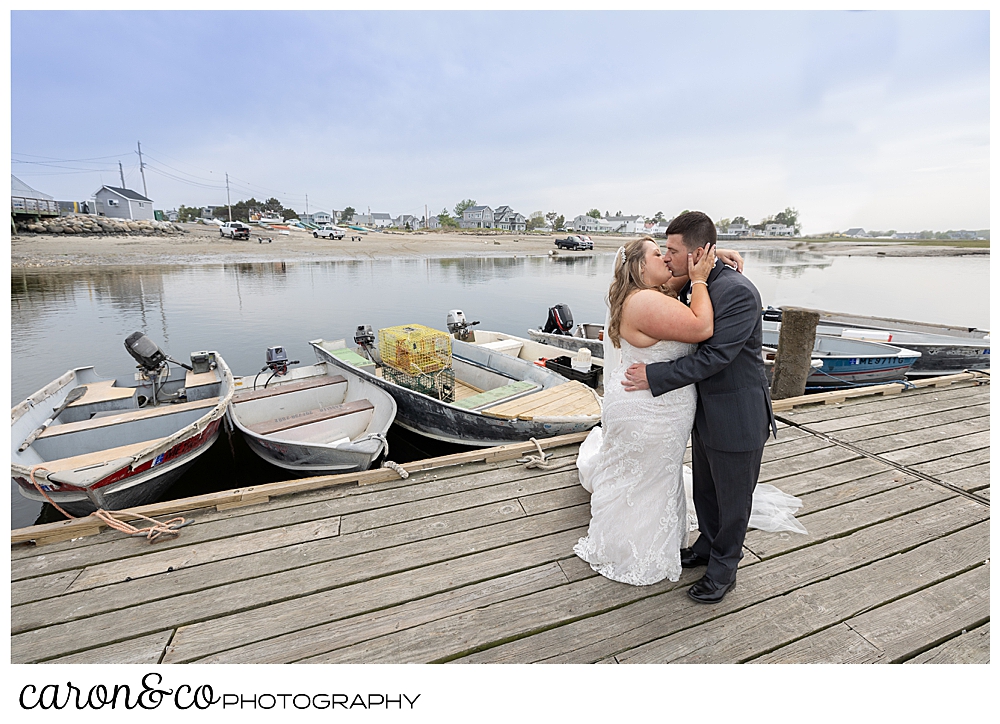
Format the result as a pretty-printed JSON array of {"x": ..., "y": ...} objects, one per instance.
[{"x": 733, "y": 419}]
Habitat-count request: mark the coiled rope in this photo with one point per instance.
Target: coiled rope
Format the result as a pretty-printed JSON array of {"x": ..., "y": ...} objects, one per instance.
[
  {"x": 537, "y": 462},
  {"x": 150, "y": 533}
]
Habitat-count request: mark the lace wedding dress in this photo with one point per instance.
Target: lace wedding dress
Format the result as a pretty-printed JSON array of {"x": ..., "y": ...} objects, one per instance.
[
  {"x": 632, "y": 466},
  {"x": 641, "y": 505}
]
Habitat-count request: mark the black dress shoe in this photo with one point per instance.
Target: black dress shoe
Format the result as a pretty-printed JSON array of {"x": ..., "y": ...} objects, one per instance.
[
  {"x": 708, "y": 591},
  {"x": 690, "y": 559}
]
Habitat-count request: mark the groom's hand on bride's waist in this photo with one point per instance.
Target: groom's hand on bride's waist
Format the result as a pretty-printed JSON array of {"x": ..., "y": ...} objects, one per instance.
[{"x": 635, "y": 378}]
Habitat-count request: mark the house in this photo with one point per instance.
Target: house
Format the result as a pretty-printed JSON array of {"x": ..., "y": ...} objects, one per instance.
[
  {"x": 407, "y": 221},
  {"x": 856, "y": 233},
  {"x": 779, "y": 230},
  {"x": 317, "y": 217},
  {"x": 961, "y": 234},
  {"x": 434, "y": 223},
  {"x": 506, "y": 218},
  {"x": 477, "y": 217},
  {"x": 588, "y": 224},
  {"x": 735, "y": 231},
  {"x": 121, "y": 203},
  {"x": 628, "y": 224},
  {"x": 907, "y": 235},
  {"x": 381, "y": 221},
  {"x": 172, "y": 214}
]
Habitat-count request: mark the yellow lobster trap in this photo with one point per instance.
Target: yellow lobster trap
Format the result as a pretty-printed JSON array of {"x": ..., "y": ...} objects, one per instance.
[{"x": 414, "y": 349}]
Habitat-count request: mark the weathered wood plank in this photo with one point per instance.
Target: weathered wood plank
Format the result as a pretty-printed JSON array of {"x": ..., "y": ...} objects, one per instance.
[
  {"x": 143, "y": 650},
  {"x": 921, "y": 437},
  {"x": 339, "y": 634},
  {"x": 562, "y": 498},
  {"x": 972, "y": 479},
  {"x": 854, "y": 490},
  {"x": 847, "y": 518},
  {"x": 865, "y": 405},
  {"x": 815, "y": 480},
  {"x": 36, "y": 589},
  {"x": 753, "y": 630},
  {"x": 594, "y": 637},
  {"x": 952, "y": 463},
  {"x": 270, "y": 573},
  {"x": 838, "y": 644},
  {"x": 930, "y": 616},
  {"x": 815, "y": 460},
  {"x": 940, "y": 449},
  {"x": 405, "y": 550},
  {"x": 971, "y": 647},
  {"x": 208, "y": 638},
  {"x": 898, "y": 421},
  {"x": 791, "y": 448}
]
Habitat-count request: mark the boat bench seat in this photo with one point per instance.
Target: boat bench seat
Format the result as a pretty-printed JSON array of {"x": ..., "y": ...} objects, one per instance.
[
  {"x": 127, "y": 416},
  {"x": 510, "y": 347},
  {"x": 103, "y": 391},
  {"x": 269, "y": 427},
  {"x": 308, "y": 383},
  {"x": 97, "y": 458},
  {"x": 491, "y": 397}
]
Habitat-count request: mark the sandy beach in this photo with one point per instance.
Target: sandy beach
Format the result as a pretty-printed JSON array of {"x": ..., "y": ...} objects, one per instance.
[{"x": 201, "y": 244}]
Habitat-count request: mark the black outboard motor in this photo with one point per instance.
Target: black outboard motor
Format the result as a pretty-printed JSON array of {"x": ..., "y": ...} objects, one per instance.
[
  {"x": 560, "y": 320},
  {"x": 145, "y": 352},
  {"x": 772, "y": 315}
]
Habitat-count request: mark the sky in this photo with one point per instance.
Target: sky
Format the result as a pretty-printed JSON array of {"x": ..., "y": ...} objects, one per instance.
[{"x": 877, "y": 120}]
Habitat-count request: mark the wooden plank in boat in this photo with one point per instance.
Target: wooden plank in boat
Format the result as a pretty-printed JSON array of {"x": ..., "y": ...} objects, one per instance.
[
  {"x": 495, "y": 395},
  {"x": 551, "y": 402},
  {"x": 200, "y": 379},
  {"x": 305, "y": 418},
  {"x": 127, "y": 416},
  {"x": 307, "y": 384},
  {"x": 464, "y": 390},
  {"x": 103, "y": 391},
  {"x": 101, "y": 456},
  {"x": 510, "y": 410}
]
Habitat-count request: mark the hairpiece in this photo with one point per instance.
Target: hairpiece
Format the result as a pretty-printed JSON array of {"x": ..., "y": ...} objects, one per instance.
[{"x": 622, "y": 250}]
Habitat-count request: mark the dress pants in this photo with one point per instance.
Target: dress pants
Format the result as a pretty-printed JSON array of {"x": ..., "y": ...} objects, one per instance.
[{"x": 723, "y": 494}]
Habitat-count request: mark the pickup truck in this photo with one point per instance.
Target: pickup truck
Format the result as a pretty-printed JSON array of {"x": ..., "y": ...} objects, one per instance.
[
  {"x": 330, "y": 232},
  {"x": 235, "y": 230},
  {"x": 575, "y": 243}
]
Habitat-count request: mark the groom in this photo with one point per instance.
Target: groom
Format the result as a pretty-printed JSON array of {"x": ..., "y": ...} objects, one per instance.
[{"x": 733, "y": 419}]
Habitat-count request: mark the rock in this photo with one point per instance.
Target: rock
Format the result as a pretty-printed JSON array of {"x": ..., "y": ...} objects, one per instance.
[
  {"x": 70, "y": 229},
  {"x": 55, "y": 229}
]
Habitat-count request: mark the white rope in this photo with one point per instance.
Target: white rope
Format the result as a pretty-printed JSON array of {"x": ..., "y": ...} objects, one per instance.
[
  {"x": 389, "y": 464},
  {"x": 537, "y": 462}
]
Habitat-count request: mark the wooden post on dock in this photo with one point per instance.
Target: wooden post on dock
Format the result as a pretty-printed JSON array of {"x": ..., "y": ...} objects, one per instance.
[{"x": 795, "y": 346}]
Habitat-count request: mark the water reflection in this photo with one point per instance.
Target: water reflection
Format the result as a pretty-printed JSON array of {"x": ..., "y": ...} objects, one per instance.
[{"x": 787, "y": 263}]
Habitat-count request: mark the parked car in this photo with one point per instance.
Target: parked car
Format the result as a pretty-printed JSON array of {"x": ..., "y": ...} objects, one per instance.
[
  {"x": 235, "y": 230},
  {"x": 329, "y": 232},
  {"x": 574, "y": 243},
  {"x": 585, "y": 241}
]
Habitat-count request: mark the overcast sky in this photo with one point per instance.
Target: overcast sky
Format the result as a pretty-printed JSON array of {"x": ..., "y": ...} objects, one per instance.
[{"x": 871, "y": 119}]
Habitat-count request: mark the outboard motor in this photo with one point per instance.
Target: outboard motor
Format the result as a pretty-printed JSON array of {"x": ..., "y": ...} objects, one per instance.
[
  {"x": 364, "y": 337},
  {"x": 147, "y": 354},
  {"x": 276, "y": 360},
  {"x": 772, "y": 315},
  {"x": 459, "y": 327},
  {"x": 560, "y": 320}
]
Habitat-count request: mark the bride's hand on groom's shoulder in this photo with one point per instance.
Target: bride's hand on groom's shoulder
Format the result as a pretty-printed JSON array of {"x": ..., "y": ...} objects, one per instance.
[
  {"x": 730, "y": 257},
  {"x": 635, "y": 378}
]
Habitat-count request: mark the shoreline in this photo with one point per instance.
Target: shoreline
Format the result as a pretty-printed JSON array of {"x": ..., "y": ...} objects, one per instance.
[{"x": 202, "y": 245}]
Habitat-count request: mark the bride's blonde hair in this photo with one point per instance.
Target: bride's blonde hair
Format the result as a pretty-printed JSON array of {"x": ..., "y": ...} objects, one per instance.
[{"x": 627, "y": 279}]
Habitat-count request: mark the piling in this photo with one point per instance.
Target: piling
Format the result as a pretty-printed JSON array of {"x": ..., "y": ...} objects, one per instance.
[{"x": 794, "y": 355}]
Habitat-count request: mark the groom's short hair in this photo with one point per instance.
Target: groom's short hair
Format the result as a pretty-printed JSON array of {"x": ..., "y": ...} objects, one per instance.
[{"x": 695, "y": 227}]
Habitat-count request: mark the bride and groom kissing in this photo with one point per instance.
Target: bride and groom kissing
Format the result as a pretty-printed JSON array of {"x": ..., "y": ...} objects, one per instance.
[{"x": 682, "y": 360}]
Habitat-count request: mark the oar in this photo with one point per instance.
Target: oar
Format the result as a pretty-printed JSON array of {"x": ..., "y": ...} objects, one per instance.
[{"x": 75, "y": 394}]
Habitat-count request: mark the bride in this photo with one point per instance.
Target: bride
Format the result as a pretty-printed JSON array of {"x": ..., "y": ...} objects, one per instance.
[{"x": 633, "y": 464}]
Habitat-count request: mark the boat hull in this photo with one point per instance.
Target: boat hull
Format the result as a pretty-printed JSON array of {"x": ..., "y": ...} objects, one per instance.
[{"x": 569, "y": 342}]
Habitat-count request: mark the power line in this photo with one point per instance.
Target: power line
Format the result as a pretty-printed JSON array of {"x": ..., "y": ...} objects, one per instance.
[{"x": 65, "y": 160}]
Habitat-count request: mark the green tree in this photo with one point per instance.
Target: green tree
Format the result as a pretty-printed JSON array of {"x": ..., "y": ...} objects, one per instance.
[
  {"x": 462, "y": 205},
  {"x": 535, "y": 221},
  {"x": 188, "y": 213},
  {"x": 594, "y": 214},
  {"x": 722, "y": 224},
  {"x": 741, "y": 220},
  {"x": 551, "y": 218},
  {"x": 658, "y": 217},
  {"x": 446, "y": 220},
  {"x": 347, "y": 215},
  {"x": 788, "y": 217},
  {"x": 559, "y": 223}
]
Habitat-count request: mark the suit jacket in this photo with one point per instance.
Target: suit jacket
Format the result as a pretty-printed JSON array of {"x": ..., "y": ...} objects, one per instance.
[{"x": 734, "y": 400}]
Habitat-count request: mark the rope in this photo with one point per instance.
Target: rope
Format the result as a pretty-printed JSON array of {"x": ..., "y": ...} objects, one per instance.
[
  {"x": 537, "y": 462},
  {"x": 151, "y": 533},
  {"x": 907, "y": 385},
  {"x": 400, "y": 470}
]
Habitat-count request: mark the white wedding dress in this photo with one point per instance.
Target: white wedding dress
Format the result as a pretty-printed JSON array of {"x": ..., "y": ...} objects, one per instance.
[{"x": 633, "y": 467}]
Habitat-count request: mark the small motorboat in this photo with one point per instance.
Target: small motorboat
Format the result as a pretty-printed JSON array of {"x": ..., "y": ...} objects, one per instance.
[
  {"x": 846, "y": 362},
  {"x": 462, "y": 393},
  {"x": 313, "y": 420},
  {"x": 558, "y": 332},
  {"x": 944, "y": 350},
  {"x": 91, "y": 442},
  {"x": 526, "y": 349}
]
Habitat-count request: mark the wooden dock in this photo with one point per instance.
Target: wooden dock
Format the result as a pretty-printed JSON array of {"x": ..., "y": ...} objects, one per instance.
[{"x": 470, "y": 560}]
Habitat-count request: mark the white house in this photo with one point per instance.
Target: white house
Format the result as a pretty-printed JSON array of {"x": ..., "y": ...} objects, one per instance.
[
  {"x": 506, "y": 218},
  {"x": 779, "y": 230},
  {"x": 317, "y": 217},
  {"x": 856, "y": 233},
  {"x": 122, "y": 204},
  {"x": 407, "y": 221},
  {"x": 477, "y": 217},
  {"x": 628, "y": 224},
  {"x": 588, "y": 224},
  {"x": 737, "y": 230},
  {"x": 434, "y": 223}
]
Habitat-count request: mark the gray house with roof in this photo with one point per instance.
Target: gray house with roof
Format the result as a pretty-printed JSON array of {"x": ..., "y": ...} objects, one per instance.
[
  {"x": 506, "y": 218},
  {"x": 123, "y": 204},
  {"x": 477, "y": 217}
]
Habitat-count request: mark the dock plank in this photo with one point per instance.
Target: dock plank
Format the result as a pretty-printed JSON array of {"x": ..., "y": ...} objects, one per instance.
[
  {"x": 144, "y": 650},
  {"x": 971, "y": 647},
  {"x": 913, "y": 438},
  {"x": 837, "y": 644}
]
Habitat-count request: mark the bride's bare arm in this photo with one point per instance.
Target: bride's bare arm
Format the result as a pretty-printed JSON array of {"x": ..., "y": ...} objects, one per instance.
[{"x": 660, "y": 317}]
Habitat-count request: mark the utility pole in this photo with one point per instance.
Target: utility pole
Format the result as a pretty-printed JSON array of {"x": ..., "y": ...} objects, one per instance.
[
  {"x": 229, "y": 203},
  {"x": 307, "y": 204},
  {"x": 141, "y": 171},
  {"x": 427, "y": 219},
  {"x": 121, "y": 173}
]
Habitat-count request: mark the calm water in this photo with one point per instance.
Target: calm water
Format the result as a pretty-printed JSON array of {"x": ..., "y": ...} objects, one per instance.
[{"x": 76, "y": 318}]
